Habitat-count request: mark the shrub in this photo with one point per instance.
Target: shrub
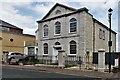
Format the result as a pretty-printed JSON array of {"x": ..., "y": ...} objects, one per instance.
[{"x": 69, "y": 65}]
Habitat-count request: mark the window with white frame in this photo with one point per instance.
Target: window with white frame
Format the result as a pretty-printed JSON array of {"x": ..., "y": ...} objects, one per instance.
[
  {"x": 45, "y": 48},
  {"x": 57, "y": 27},
  {"x": 73, "y": 25},
  {"x": 72, "y": 47},
  {"x": 45, "y": 30}
]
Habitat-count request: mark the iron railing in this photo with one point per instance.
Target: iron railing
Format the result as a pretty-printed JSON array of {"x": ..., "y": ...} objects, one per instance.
[{"x": 48, "y": 59}]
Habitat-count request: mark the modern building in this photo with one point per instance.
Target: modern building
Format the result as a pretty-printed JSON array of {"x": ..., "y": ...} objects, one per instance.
[
  {"x": 12, "y": 39},
  {"x": 75, "y": 31}
]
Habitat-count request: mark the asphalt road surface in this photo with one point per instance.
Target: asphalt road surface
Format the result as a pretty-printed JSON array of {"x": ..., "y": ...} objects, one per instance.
[{"x": 23, "y": 73}]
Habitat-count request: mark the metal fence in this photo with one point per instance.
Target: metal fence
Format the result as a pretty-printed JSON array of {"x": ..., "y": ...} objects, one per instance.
[
  {"x": 114, "y": 56},
  {"x": 48, "y": 59},
  {"x": 73, "y": 60},
  {"x": 45, "y": 59}
]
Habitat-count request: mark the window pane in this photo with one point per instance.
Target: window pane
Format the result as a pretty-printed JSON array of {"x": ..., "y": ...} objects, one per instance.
[
  {"x": 45, "y": 48},
  {"x": 46, "y": 30},
  {"x": 72, "y": 47},
  {"x": 73, "y": 25},
  {"x": 103, "y": 35},
  {"x": 57, "y": 27}
]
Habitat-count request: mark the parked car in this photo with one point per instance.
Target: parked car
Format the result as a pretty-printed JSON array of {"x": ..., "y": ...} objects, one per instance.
[
  {"x": 18, "y": 58},
  {"x": 14, "y": 57}
]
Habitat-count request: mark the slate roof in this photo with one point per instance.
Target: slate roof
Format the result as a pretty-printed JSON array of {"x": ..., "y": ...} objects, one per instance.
[{"x": 5, "y": 24}]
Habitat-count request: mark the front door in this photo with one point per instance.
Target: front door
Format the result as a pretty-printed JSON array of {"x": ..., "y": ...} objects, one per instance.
[
  {"x": 56, "y": 49},
  {"x": 55, "y": 53}
]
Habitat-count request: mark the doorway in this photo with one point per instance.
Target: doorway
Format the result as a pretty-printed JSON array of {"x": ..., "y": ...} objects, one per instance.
[{"x": 55, "y": 53}]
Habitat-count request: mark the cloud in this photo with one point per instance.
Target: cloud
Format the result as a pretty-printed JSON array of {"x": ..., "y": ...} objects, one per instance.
[
  {"x": 10, "y": 14},
  {"x": 41, "y": 8}
]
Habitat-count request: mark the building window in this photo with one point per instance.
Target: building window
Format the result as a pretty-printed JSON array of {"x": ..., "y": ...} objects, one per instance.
[
  {"x": 103, "y": 35},
  {"x": 58, "y": 12},
  {"x": 57, "y": 43},
  {"x": 72, "y": 47},
  {"x": 57, "y": 27},
  {"x": 45, "y": 30},
  {"x": 73, "y": 25},
  {"x": 30, "y": 50},
  {"x": 100, "y": 33},
  {"x": 45, "y": 48}
]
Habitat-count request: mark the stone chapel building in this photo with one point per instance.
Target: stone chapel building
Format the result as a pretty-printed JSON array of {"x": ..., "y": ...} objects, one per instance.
[{"x": 75, "y": 31}]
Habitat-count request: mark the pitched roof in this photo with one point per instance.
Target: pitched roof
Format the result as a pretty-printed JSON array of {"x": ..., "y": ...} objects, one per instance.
[
  {"x": 5, "y": 24},
  {"x": 100, "y": 23},
  {"x": 57, "y": 4},
  {"x": 76, "y": 11}
]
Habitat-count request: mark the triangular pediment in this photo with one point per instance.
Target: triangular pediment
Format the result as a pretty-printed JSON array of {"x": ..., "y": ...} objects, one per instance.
[{"x": 58, "y": 9}]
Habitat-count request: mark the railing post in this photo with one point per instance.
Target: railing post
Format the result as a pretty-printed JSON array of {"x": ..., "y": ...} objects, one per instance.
[
  {"x": 61, "y": 58},
  {"x": 101, "y": 60}
]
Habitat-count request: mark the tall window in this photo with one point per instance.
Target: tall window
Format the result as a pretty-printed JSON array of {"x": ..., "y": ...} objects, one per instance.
[
  {"x": 103, "y": 35},
  {"x": 45, "y": 30},
  {"x": 45, "y": 48},
  {"x": 72, "y": 47},
  {"x": 73, "y": 25},
  {"x": 57, "y": 27}
]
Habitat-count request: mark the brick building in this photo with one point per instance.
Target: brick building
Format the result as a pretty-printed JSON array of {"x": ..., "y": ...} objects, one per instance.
[{"x": 12, "y": 38}]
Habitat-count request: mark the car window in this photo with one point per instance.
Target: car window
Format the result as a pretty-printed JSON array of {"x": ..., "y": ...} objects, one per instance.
[{"x": 16, "y": 54}]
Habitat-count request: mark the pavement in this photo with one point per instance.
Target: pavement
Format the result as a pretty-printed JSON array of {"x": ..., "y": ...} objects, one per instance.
[{"x": 86, "y": 73}]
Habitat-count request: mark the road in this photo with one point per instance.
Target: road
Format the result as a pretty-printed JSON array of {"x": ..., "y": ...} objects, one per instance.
[{"x": 23, "y": 73}]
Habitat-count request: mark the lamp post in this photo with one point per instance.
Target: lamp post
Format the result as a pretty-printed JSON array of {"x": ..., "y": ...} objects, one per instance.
[{"x": 110, "y": 42}]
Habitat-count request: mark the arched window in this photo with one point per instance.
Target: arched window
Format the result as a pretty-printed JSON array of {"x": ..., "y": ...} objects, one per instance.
[
  {"x": 72, "y": 47},
  {"x": 73, "y": 25},
  {"x": 45, "y": 48},
  {"x": 57, "y": 43},
  {"x": 46, "y": 30},
  {"x": 57, "y": 27}
]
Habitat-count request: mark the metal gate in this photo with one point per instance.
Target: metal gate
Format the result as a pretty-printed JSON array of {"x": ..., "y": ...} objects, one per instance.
[{"x": 114, "y": 55}]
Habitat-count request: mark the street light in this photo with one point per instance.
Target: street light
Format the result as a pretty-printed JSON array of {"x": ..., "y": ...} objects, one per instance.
[{"x": 110, "y": 42}]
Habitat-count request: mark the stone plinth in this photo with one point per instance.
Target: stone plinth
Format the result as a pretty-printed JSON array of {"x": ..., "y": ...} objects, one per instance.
[{"x": 101, "y": 60}]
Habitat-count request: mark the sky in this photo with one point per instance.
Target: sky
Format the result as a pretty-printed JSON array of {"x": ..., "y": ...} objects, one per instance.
[{"x": 25, "y": 13}]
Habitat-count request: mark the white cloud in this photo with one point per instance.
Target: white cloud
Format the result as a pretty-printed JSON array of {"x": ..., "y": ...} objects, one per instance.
[
  {"x": 54, "y": 0},
  {"x": 10, "y": 14},
  {"x": 41, "y": 8}
]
